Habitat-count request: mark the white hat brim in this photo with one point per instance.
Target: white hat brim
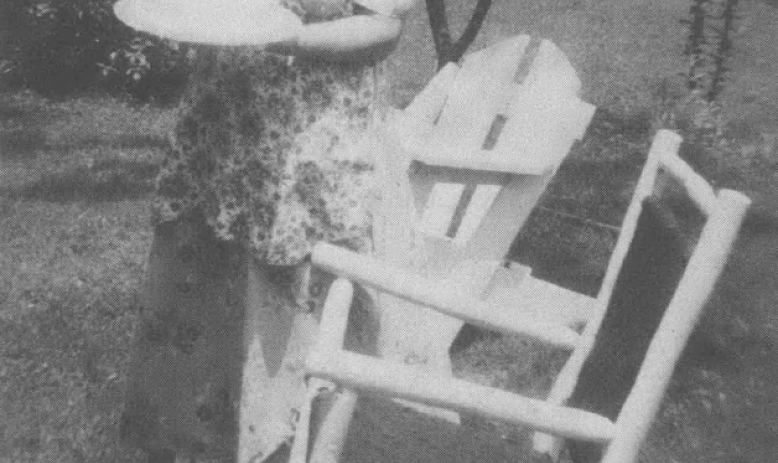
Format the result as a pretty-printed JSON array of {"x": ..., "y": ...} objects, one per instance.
[{"x": 215, "y": 22}]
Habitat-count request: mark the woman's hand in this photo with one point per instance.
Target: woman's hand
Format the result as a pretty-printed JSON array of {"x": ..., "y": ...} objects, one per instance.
[{"x": 368, "y": 37}]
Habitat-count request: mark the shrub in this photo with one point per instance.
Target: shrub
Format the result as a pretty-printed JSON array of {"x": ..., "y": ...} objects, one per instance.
[{"x": 59, "y": 46}]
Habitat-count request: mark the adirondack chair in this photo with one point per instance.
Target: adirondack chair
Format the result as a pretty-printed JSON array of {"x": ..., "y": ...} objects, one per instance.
[
  {"x": 459, "y": 171},
  {"x": 467, "y": 162}
]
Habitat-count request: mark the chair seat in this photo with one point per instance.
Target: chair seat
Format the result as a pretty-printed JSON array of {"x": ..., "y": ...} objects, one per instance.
[{"x": 513, "y": 287}]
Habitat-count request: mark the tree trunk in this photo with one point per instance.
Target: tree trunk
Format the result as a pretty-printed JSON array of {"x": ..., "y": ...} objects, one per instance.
[{"x": 446, "y": 49}]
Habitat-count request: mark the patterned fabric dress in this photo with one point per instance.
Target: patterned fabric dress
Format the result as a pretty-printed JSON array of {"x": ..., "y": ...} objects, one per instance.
[
  {"x": 268, "y": 148},
  {"x": 266, "y": 159}
]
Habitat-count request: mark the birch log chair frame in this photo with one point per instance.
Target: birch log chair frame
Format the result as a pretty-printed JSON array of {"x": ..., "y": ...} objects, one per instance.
[{"x": 527, "y": 306}]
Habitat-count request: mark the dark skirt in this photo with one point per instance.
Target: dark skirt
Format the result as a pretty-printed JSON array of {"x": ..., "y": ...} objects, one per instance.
[
  {"x": 214, "y": 316},
  {"x": 184, "y": 380}
]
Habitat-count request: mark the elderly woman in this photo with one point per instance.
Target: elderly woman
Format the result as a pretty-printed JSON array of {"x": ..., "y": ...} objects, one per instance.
[{"x": 265, "y": 161}]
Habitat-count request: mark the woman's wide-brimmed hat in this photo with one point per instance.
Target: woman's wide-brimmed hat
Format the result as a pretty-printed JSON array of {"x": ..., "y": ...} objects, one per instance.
[{"x": 214, "y": 22}]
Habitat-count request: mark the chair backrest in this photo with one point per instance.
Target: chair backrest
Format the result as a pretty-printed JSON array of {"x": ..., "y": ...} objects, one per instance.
[
  {"x": 495, "y": 146},
  {"x": 471, "y": 156},
  {"x": 724, "y": 212}
]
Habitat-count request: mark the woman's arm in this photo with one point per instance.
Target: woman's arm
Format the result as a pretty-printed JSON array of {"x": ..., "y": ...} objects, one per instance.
[
  {"x": 396, "y": 8},
  {"x": 360, "y": 38}
]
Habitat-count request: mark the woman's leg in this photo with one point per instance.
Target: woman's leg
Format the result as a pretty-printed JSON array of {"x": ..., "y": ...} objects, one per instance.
[{"x": 277, "y": 336}]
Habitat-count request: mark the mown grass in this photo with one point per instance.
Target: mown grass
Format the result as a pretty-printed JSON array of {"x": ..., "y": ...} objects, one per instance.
[
  {"x": 76, "y": 176},
  {"x": 73, "y": 189}
]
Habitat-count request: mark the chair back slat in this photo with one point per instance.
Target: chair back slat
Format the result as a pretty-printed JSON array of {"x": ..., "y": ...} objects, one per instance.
[
  {"x": 441, "y": 207},
  {"x": 479, "y": 93},
  {"x": 537, "y": 123}
]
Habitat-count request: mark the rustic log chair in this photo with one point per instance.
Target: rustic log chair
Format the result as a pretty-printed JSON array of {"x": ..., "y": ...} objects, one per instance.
[{"x": 450, "y": 265}]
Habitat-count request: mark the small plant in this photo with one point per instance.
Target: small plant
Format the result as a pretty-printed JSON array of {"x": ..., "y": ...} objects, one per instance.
[
  {"x": 57, "y": 47},
  {"x": 709, "y": 45},
  {"x": 726, "y": 18},
  {"x": 147, "y": 68}
]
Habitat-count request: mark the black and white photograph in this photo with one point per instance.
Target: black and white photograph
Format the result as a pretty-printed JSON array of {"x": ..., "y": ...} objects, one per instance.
[{"x": 388, "y": 231}]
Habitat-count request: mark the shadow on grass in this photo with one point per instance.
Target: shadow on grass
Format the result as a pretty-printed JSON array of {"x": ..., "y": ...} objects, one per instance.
[
  {"x": 25, "y": 143},
  {"x": 26, "y": 130},
  {"x": 20, "y": 144},
  {"x": 109, "y": 180}
]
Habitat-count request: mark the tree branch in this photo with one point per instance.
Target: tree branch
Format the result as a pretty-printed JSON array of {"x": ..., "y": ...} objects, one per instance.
[
  {"x": 441, "y": 36},
  {"x": 471, "y": 30}
]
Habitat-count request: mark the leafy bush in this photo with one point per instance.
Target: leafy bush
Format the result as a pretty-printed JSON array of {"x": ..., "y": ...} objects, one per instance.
[
  {"x": 147, "y": 68},
  {"x": 59, "y": 46}
]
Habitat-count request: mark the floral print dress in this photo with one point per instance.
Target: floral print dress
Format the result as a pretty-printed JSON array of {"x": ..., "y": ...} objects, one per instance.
[
  {"x": 268, "y": 148},
  {"x": 267, "y": 158}
]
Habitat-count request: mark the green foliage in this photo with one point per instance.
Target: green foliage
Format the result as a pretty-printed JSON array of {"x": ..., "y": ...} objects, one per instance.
[{"x": 59, "y": 46}]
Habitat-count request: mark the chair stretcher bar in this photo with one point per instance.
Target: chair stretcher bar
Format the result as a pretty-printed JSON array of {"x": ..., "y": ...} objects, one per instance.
[{"x": 380, "y": 376}]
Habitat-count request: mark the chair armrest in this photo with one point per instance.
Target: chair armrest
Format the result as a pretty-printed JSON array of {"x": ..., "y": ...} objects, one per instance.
[
  {"x": 539, "y": 298},
  {"x": 437, "y": 295}
]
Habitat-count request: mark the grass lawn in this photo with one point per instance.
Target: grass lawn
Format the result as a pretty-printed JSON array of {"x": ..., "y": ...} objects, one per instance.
[{"x": 76, "y": 177}]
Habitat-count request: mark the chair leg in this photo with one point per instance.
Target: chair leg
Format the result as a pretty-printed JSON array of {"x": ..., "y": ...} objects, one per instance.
[{"x": 333, "y": 431}]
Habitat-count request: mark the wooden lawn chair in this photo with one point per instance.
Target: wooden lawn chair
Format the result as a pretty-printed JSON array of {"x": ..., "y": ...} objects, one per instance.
[
  {"x": 466, "y": 163},
  {"x": 460, "y": 170},
  {"x": 621, "y": 438}
]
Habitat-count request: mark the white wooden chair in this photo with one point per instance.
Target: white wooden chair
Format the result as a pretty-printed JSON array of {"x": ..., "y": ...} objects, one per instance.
[
  {"x": 448, "y": 270},
  {"x": 459, "y": 171}
]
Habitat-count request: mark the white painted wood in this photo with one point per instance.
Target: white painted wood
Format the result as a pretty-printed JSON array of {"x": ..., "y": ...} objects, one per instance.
[
  {"x": 332, "y": 332},
  {"x": 334, "y": 430},
  {"x": 450, "y": 121},
  {"x": 334, "y": 320},
  {"x": 480, "y": 89},
  {"x": 436, "y": 294},
  {"x": 543, "y": 121},
  {"x": 537, "y": 298},
  {"x": 472, "y": 98},
  {"x": 534, "y": 150},
  {"x": 481, "y": 202},
  {"x": 302, "y": 435},
  {"x": 540, "y": 108},
  {"x": 565, "y": 382},
  {"x": 725, "y": 213},
  {"x": 507, "y": 214},
  {"x": 424, "y": 177},
  {"x": 414, "y": 124},
  {"x": 427, "y": 105},
  {"x": 439, "y": 211},
  {"x": 677, "y": 325},
  {"x": 389, "y": 378},
  {"x": 698, "y": 189}
]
